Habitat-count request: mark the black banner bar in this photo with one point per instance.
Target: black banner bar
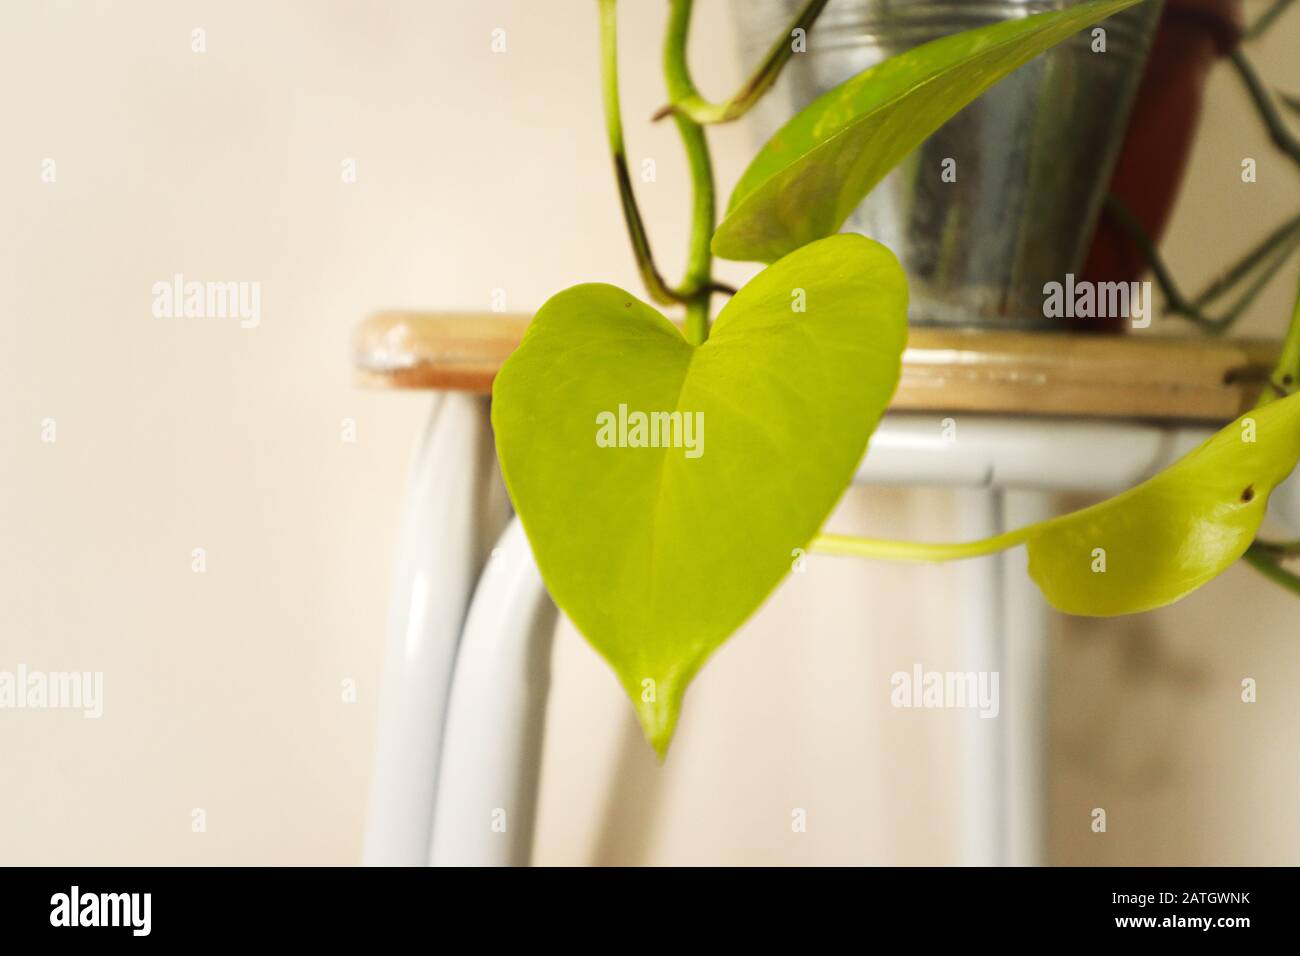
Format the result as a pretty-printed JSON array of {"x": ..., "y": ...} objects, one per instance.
[{"x": 337, "y": 906}]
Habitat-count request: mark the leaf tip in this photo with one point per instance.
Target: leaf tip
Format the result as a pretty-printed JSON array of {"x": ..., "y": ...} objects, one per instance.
[{"x": 658, "y": 704}]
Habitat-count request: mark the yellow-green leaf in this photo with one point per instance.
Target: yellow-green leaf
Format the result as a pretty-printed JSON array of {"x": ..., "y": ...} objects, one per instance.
[
  {"x": 659, "y": 552},
  {"x": 1157, "y": 542},
  {"x": 817, "y": 168}
]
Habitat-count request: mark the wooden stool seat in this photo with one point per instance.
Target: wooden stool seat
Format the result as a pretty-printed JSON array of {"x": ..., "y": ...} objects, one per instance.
[{"x": 1116, "y": 376}]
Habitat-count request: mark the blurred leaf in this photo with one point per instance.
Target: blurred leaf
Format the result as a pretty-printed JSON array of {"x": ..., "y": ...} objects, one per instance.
[{"x": 813, "y": 173}]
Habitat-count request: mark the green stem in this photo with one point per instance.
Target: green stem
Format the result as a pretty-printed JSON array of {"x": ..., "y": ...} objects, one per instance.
[
  {"x": 699, "y": 263},
  {"x": 1129, "y": 223},
  {"x": 1277, "y": 549},
  {"x": 1266, "y": 19},
  {"x": 1272, "y": 253},
  {"x": 919, "y": 551},
  {"x": 1286, "y": 373},
  {"x": 654, "y": 281},
  {"x": 1259, "y": 559},
  {"x": 696, "y": 327},
  {"x": 1266, "y": 556},
  {"x": 1278, "y": 258},
  {"x": 1277, "y": 130},
  {"x": 686, "y": 101},
  {"x": 1276, "y": 239}
]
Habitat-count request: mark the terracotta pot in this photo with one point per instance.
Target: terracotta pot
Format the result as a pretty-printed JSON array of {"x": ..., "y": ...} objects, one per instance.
[{"x": 1192, "y": 35}]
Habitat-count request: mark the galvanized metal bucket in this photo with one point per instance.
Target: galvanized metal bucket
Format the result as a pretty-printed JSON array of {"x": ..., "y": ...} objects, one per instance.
[{"x": 1033, "y": 156}]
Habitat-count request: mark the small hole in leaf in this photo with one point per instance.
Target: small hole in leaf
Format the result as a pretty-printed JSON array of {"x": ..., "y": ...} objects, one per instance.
[
  {"x": 1287, "y": 379},
  {"x": 1248, "y": 494}
]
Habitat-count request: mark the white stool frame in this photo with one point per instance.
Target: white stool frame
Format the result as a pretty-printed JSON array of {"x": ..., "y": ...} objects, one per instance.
[{"x": 461, "y": 716}]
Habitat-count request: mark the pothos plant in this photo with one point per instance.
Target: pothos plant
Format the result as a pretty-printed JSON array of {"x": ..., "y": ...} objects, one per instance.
[{"x": 659, "y": 553}]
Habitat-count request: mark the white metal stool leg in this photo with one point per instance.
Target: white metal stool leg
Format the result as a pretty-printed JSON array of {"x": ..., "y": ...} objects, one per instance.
[
  {"x": 979, "y": 595},
  {"x": 454, "y": 509},
  {"x": 491, "y": 756},
  {"x": 1026, "y": 658}
]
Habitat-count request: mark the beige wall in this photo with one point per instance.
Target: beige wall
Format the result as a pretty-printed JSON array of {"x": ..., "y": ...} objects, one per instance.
[{"x": 475, "y": 171}]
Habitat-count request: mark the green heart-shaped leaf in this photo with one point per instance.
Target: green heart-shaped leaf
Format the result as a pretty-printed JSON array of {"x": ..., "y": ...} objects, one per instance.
[
  {"x": 1157, "y": 542},
  {"x": 657, "y": 554},
  {"x": 817, "y": 168}
]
